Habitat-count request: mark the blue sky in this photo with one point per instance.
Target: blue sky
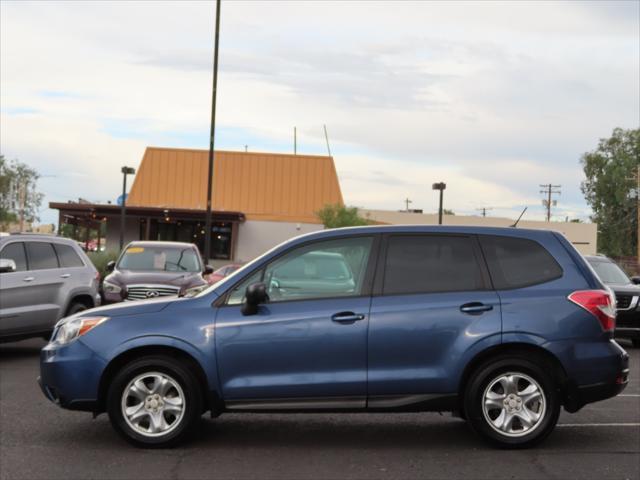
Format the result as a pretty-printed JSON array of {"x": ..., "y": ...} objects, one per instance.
[{"x": 494, "y": 98}]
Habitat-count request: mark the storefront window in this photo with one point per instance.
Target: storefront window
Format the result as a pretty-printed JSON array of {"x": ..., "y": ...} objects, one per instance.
[{"x": 192, "y": 232}]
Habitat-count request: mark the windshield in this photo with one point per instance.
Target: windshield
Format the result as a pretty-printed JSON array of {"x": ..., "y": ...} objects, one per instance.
[
  {"x": 610, "y": 273},
  {"x": 160, "y": 258}
]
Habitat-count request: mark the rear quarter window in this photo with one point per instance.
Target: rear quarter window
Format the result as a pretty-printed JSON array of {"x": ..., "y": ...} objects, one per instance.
[
  {"x": 518, "y": 262},
  {"x": 67, "y": 256}
]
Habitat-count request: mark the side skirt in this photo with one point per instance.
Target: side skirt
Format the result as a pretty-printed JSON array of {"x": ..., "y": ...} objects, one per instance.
[{"x": 378, "y": 403}]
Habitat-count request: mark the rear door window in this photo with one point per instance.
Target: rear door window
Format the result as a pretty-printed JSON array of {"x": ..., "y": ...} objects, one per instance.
[
  {"x": 518, "y": 262},
  {"x": 431, "y": 264},
  {"x": 67, "y": 256},
  {"x": 15, "y": 252},
  {"x": 41, "y": 256}
]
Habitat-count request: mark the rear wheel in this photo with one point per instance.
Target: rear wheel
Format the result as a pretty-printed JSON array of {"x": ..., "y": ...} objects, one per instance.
[
  {"x": 154, "y": 402},
  {"x": 512, "y": 402}
]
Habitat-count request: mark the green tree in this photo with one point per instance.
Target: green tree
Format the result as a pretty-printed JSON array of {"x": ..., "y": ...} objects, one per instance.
[
  {"x": 18, "y": 194},
  {"x": 610, "y": 170},
  {"x": 336, "y": 216},
  {"x": 6, "y": 177}
]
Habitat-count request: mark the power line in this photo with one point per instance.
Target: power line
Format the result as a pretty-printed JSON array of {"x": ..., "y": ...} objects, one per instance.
[{"x": 548, "y": 190}]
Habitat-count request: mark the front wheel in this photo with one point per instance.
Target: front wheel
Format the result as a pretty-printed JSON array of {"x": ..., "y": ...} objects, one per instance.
[
  {"x": 154, "y": 402},
  {"x": 512, "y": 402}
]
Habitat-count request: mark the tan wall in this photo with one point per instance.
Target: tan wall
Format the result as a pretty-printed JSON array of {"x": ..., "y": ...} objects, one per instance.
[{"x": 582, "y": 235}]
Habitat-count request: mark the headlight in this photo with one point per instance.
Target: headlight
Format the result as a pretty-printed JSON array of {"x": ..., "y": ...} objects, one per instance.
[
  {"x": 76, "y": 327},
  {"x": 111, "y": 287}
]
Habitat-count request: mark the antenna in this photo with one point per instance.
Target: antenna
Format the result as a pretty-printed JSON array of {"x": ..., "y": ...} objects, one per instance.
[
  {"x": 516, "y": 224},
  {"x": 326, "y": 137}
]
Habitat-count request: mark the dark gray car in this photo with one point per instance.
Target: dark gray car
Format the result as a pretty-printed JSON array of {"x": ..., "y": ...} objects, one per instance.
[{"x": 43, "y": 278}]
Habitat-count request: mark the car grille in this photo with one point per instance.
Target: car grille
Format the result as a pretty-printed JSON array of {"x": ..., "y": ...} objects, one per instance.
[
  {"x": 623, "y": 301},
  {"x": 145, "y": 292}
]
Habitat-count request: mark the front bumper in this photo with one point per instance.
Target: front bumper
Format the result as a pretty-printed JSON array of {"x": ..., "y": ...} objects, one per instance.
[{"x": 70, "y": 375}]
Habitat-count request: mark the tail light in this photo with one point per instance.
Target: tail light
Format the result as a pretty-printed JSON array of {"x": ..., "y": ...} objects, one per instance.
[{"x": 600, "y": 303}]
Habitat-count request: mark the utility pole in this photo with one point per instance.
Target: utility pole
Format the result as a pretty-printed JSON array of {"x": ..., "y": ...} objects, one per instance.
[
  {"x": 484, "y": 210},
  {"x": 636, "y": 178},
  {"x": 207, "y": 232},
  {"x": 125, "y": 171},
  {"x": 549, "y": 189},
  {"x": 407, "y": 202},
  {"x": 295, "y": 141},
  {"x": 22, "y": 198}
]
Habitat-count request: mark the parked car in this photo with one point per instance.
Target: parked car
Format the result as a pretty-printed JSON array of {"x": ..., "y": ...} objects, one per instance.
[
  {"x": 147, "y": 270},
  {"x": 42, "y": 279},
  {"x": 222, "y": 272},
  {"x": 503, "y": 326},
  {"x": 627, "y": 292}
]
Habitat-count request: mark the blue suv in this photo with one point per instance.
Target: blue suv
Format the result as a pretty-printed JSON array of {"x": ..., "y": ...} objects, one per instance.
[{"x": 503, "y": 327}]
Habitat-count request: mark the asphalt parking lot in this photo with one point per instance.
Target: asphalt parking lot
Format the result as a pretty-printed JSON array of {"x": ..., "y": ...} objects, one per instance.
[{"x": 40, "y": 440}]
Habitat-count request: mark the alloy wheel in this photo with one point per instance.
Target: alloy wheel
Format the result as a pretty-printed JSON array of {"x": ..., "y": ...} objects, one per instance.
[
  {"x": 514, "y": 404},
  {"x": 153, "y": 404}
]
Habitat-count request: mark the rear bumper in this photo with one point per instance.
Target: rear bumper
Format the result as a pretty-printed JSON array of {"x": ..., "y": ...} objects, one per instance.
[{"x": 577, "y": 396}]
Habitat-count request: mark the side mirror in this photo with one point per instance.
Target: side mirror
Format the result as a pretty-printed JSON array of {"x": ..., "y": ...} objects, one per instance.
[
  {"x": 208, "y": 270},
  {"x": 7, "y": 265},
  {"x": 111, "y": 265},
  {"x": 255, "y": 294},
  {"x": 635, "y": 280}
]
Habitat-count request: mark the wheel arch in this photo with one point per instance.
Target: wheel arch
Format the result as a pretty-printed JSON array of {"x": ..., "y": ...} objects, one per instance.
[
  {"x": 523, "y": 350},
  {"x": 210, "y": 400}
]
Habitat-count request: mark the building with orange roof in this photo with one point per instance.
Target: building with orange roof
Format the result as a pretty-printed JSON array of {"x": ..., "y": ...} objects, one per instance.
[{"x": 258, "y": 200}]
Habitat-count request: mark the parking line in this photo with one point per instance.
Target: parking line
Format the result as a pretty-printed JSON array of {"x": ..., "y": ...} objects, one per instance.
[
  {"x": 598, "y": 425},
  {"x": 630, "y": 395}
]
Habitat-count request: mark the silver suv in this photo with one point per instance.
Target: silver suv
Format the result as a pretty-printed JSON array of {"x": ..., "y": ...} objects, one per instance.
[{"x": 42, "y": 279}]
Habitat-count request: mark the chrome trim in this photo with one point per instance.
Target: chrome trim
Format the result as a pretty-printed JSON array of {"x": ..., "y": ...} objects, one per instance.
[{"x": 633, "y": 304}]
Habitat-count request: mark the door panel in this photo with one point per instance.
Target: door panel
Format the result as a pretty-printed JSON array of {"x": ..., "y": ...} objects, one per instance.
[
  {"x": 44, "y": 288},
  {"x": 416, "y": 342},
  {"x": 293, "y": 349}
]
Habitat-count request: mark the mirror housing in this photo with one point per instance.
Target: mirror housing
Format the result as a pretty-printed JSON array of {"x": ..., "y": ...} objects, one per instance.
[
  {"x": 208, "y": 270},
  {"x": 111, "y": 266},
  {"x": 7, "y": 265},
  {"x": 635, "y": 280},
  {"x": 255, "y": 294}
]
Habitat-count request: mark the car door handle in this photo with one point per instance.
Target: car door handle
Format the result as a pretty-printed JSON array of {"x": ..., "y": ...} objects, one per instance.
[
  {"x": 347, "y": 317},
  {"x": 475, "y": 308},
  {"x": 65, "y": 275},
  {"x": 28, "y": 279}
]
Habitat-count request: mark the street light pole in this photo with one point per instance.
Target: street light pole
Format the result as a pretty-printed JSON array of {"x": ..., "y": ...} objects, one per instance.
[
  {"x": 442, "y": 187},
  {"x": 125, "y": 171},
  {"x": 207, "y": 233}
]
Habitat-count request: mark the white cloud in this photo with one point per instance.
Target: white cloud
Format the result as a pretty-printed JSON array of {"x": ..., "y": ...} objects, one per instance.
[{"x": 493, "y": 97}]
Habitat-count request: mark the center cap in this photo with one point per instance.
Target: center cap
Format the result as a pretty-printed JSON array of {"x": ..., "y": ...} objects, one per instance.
[{"x": 512, "y": 403}]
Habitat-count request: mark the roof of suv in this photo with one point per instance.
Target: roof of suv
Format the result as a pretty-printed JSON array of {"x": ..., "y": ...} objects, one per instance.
[
  {"x": 37, "y": 236},
  {"x": 153, "y": 243}
]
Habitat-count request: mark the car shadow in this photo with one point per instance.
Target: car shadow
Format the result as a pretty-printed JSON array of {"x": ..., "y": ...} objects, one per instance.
[{"x": 21, "y": 349}]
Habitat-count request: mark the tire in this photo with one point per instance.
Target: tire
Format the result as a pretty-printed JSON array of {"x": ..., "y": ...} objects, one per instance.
[
  {"x": 74, "y": 308},
  {"x": 526, "y": 419},
  {"x": 168, "y": 400}
]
